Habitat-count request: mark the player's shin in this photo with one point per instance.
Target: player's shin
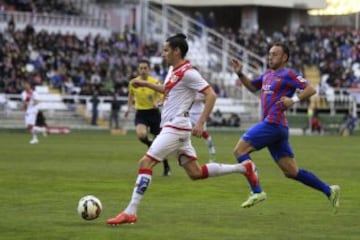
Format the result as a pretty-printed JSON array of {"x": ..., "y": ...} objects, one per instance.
[
  {"x": 218, "y": 169},
  {"x": 313, "y": 181},
  {"x": 255, "y": 187},
  {"x": 142, "y": 183},
  {"x": 37, "y": 129},
  {"x": 146, "y": 141}
]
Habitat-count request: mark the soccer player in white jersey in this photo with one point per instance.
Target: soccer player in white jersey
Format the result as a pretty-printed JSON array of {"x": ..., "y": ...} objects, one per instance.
[
  {"x": 30, "y": 99},
  {"x": 180, "y": 90},
  {"x": 194, "y": 113}
]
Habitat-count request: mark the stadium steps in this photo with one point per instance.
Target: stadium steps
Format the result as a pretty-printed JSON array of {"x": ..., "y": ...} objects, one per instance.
[{"x": 312, "y": 74}]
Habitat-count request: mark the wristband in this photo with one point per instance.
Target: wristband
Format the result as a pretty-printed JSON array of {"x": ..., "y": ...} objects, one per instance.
[
  {"x": 295, "y": 98},
  {"x": 240, "y": 74}
]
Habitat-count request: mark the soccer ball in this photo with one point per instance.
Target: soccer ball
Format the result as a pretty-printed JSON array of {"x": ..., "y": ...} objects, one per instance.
[{"x": 89, "y": 207}]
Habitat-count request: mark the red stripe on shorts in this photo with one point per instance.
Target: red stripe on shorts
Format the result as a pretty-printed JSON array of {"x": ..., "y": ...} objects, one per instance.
[{"x": 178, "y": 128}]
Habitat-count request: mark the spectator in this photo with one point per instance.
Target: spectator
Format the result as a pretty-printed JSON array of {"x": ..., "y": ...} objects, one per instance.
[
  {"x": 41, "y": 123},
  {"x": 234, "y": 120},
  {"x": 316, "y": 125},
  {"x": 94, "y": 108},
  {"x": 115, "y": 110},
  {"x": 211, "y": 20},
  {"x": 348, "y": 125},
  {"x": 200, "y": 20},
  {"x": 217, "y": 119}
]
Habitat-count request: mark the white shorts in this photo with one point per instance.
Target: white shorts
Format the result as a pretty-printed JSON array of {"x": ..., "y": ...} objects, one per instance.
[
  {"x": 172, "y": 141},
  {"x": 30, "y": 116}
]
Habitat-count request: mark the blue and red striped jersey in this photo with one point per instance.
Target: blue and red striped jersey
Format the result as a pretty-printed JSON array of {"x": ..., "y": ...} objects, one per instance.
[{"x": 273, "y": 86}]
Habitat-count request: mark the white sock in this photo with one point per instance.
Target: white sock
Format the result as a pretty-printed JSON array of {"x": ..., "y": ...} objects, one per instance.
[
  {"x": 209, "y": 141},
  {"x": 210, "y": 145},
  {"x": 34, "y": 134},
  {"x": 142, "y": 183},
  {"x": 218, "y": 169},
  {"x": 39, "y": 129}
]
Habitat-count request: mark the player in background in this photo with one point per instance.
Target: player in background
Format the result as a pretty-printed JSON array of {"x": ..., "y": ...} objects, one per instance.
[
  {"x": 194, "y": 113},
  {"x": 278, "y": 86},
  {"x": 40, "y": 123},
  {"x": 180, "y": 90},
  {"x": 147, "y": 116},
  {"x": 30, "y": 100}
]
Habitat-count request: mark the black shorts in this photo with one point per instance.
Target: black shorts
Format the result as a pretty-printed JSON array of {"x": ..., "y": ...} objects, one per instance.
[{"x": 151, "y": 118}]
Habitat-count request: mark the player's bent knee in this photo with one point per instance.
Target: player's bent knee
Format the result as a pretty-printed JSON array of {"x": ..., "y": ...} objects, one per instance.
[
  {"x": 237, "y": 152},
  {"x": 147, "y": 163},
  {"x": 290, "y": 174},
  {"x": 195, "y": 177}
]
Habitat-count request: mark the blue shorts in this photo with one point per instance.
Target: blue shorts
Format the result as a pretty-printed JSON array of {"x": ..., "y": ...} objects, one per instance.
[{"x": 273, "y": 136}]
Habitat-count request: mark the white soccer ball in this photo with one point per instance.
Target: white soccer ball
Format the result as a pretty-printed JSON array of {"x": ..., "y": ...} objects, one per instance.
[{"x": 89, "y": 207}]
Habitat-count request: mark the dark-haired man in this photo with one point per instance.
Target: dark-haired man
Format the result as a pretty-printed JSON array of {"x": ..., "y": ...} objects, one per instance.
[{"x": 180, "y": 89}]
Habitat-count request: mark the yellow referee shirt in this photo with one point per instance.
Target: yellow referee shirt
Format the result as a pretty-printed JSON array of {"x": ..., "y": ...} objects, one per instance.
[{"x": 145, "y": 98}]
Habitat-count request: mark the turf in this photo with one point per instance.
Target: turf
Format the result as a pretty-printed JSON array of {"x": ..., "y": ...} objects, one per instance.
[{"x": 41, "y": 185}]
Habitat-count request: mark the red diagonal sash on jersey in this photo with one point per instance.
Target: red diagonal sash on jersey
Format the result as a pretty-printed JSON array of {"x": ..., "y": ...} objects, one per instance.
[{"x": 176, "y": 76}]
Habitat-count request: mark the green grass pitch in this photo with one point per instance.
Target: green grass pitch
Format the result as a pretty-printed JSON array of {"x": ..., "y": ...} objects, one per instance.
[{"x": 40, "y": 186}]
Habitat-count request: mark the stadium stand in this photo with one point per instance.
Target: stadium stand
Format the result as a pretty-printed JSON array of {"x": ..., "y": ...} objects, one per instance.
[{"x": 74, "y": 65}]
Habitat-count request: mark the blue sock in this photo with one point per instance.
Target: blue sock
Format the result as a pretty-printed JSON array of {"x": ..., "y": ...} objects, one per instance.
[
  {"x": 313, "y": 181},
  {"x": 254, "y": 189}
]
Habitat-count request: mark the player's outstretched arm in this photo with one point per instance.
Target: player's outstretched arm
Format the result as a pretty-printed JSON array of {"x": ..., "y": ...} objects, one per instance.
[
  {"x": 142, "y": 83},
  {"x": 237, "y": 66}
]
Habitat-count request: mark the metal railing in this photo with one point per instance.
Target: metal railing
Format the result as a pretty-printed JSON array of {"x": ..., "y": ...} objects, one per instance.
[
  {"x": 165, "y": 21},
  {"x": 210, "y": 51}
]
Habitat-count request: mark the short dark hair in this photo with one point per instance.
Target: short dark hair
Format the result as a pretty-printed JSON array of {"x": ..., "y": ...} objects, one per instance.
[
  {"x": 284, "y": 47},
  {"x": 179, "y": 41},
  {"x": 144, "y": 61}
]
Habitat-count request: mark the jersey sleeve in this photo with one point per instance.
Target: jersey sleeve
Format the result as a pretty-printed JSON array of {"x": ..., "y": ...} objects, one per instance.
[
  {"x": 296, "y": 80},
  {"x": 131, "y": 88},
  {"x": 195, "y": 80},
  {"x": 257, "y": 82}
]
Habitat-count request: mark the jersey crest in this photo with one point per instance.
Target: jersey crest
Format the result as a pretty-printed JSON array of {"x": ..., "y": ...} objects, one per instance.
[{"x": 176, "y": 76}]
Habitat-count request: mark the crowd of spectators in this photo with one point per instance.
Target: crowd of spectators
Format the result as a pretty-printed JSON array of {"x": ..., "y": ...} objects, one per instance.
[
  {"x": 335, "y": 51},
  {"x": 68, "y": 63},
  {"x": 82, "y": 65},
  {"x": 41, "y": 6}
]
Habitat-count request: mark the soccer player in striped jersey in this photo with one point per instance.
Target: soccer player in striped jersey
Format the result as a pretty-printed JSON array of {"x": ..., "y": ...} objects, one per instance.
[{"x": 278, "y": 87}]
